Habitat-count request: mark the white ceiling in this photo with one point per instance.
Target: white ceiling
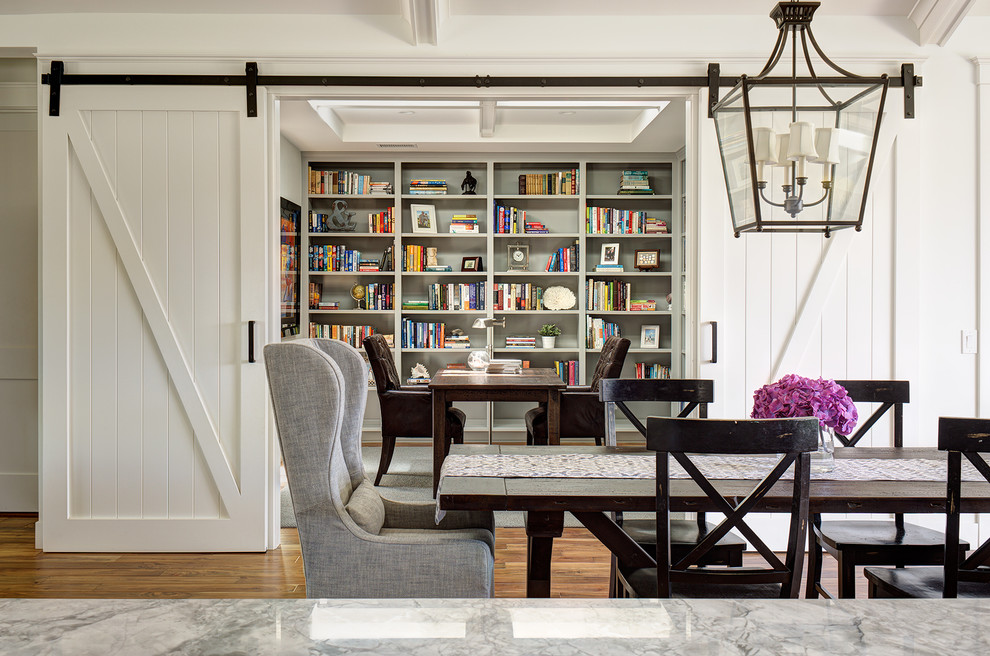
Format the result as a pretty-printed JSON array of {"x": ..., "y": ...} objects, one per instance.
[
  {"x": 577, "y": 129},
  {"x": 456, "y": 7}
]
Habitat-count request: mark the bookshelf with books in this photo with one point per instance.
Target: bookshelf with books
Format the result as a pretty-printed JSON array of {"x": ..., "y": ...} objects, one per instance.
[
  {"x": 456, "y": 257},
  {"x": 290, "y": 283}
]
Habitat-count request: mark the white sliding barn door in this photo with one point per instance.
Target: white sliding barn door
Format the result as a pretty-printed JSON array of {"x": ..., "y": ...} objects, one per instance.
[
  {"x": 153, "y": 229},
  {"x": 804, "y": 304}
]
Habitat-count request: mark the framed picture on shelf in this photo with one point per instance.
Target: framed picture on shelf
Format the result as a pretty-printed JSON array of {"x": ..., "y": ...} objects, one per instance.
[
  {"x": 518, "y": 257},
  {"x": 610, "y": 253},
  {"x": 647, "y": 259},
  {"x": 424, "y": 218},
  {"x": 649, "y": 337},
  {"x": 471, "y": 264}
]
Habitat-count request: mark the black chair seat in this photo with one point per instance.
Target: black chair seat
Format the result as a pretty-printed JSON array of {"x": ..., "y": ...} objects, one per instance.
[
  {"x": 916, "y": 545},
  {"x": 918, "y": 583},
  {"x": 644, "y": 584},
  {"x": 684, "y": 534}
]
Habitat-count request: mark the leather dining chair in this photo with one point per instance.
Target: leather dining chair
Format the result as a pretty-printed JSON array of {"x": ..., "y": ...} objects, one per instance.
[
  {"x": 407, "y": 411},
  {"x": 856, "y": 543},
  {"x": 683, "y": 575},
  {"x": 959, "y": 576},
  {"x": 581, "y": 413}
]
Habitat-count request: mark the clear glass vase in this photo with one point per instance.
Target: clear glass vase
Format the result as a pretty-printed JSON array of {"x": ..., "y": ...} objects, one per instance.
[{"x": 823, "y": 460}]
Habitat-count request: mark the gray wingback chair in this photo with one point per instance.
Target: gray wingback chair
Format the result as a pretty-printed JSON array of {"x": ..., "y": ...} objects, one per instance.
[{"x": 355, "y": 543}]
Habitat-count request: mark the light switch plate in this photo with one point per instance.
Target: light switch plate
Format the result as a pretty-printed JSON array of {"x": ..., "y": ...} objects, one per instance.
[{"x": 969, "y": 341}]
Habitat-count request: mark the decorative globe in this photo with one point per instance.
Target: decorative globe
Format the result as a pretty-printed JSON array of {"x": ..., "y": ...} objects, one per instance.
[
  {"x": 478, "y": 360},
  {"x": 357, "y": 292}
]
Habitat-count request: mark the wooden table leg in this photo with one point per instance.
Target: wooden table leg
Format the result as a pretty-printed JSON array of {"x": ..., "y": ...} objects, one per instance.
[
  {"x": 439, "y": 435},
  {"x": 553, "y": 416},
  {"x": 541, "y": 529}
]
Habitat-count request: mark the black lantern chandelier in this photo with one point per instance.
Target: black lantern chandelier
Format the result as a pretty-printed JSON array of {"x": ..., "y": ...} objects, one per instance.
[{"x": 797, "y": 152}]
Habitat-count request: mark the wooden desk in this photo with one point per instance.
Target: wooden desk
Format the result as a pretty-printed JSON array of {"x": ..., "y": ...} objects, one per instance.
[
  {"x": 546, "y": 499},
  {"x": 541, "y": 385}
]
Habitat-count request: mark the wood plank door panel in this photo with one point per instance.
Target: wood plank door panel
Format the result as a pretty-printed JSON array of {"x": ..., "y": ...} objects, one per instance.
[{"x": 154, "y": 422}]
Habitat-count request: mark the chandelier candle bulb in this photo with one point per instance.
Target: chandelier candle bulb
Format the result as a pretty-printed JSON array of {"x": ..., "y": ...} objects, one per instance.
[
  {"x": 765, "y": 144},
  {"x": 801, "y": 145},
  {"x": 782, "y": 144}
]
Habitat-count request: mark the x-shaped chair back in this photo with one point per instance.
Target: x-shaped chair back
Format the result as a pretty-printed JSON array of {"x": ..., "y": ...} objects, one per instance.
[
  {"x": 791, "y": 439},
  {"x": 970, "y": 438},
  {"x": 890, "y": 394},
  {"x": 616, "y": 392}
]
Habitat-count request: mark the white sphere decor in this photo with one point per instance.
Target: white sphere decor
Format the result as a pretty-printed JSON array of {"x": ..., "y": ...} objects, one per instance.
[{"x": 558, "y": 298}]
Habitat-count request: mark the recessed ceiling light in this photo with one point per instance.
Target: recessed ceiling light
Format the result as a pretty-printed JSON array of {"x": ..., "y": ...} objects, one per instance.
[{"x": 407, "y": 112}]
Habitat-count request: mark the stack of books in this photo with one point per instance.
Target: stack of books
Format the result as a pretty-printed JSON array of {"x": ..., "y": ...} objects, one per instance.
[
  {"x": 457, "y": 342},
  {"x": 535, "y": 227},
  {"x": 635, "y": 182},
  {"x": 415, "y": 305},
  {"x": 464, "y": 223},
  {"x": 368, "y": 265},
  {"x": 650, "y": 370},
  {"x": 504, "y": 367},
  {"x": 417, "y": 381},
  {"x": 381, "y": 188},
  {"x": 639, "y": 305},
  {"x": 654, "y": 226},
  {"x": 328, "y": 305},
  {"x": 520, "y": 342},
  {"x": 613, "y": 268},
  {"x": 438, "y": 267},
  {"x": 428, "y": 187}
]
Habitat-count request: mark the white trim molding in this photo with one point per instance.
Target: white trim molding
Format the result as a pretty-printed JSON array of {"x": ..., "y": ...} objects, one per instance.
[
  {"x": 937, "y": 20},
  {"x": 983, "y": 232}
]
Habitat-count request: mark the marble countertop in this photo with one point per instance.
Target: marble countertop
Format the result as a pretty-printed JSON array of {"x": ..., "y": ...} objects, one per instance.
[{"x": 493, "y": 626}]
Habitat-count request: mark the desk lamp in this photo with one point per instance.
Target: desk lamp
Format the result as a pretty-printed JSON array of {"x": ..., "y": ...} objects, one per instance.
[{"x": 478, "y": 360}]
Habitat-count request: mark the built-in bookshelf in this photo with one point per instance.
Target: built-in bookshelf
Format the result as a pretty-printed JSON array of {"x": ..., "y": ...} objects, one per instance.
[
  {"x": 290, "y": 282},
  {"x": 425, "y": 259}
]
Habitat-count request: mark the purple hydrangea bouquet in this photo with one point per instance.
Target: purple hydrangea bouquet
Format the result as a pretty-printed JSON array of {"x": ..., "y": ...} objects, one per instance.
[{"x": 797, "y": 396}]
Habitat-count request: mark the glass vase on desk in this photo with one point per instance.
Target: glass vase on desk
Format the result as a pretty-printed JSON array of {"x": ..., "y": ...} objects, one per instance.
[{"x": 823, "y": 460}]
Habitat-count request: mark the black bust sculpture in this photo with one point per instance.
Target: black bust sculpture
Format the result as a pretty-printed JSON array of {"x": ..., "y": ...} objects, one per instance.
[{"x": 469, "y": 185}]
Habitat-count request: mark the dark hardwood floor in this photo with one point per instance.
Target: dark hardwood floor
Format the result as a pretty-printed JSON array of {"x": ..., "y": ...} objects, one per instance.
[{"x": 580, "y": 569}]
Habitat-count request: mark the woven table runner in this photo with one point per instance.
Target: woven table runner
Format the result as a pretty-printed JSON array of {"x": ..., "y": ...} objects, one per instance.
[{"x": 574, "y": 465}]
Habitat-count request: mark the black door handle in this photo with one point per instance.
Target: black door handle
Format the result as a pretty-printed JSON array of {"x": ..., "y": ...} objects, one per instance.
[
  {"x": 251, "y": 341},
  {"x": 714, "y": 342}
]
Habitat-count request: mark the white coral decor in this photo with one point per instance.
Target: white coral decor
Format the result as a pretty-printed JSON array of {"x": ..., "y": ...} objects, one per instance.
[{"x": 558, "y": 298}]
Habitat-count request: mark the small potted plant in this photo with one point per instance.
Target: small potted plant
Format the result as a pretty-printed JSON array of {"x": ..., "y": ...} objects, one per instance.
[
  {"x": 797, "y": 396},
  {"x": 549, "y": 333}
]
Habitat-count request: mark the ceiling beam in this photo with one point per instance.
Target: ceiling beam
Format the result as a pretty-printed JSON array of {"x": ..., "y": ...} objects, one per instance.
[
  {"x": 937, "y": 20},
  {"x": 425, "y": 18},
  {"x": 487, "y": 128}
]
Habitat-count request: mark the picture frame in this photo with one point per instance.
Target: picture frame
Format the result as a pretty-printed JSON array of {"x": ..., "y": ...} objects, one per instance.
[
  {"x": 472, "y": 264},
  {"x": 649, "y": 337},
  {"x": 647, "y": 259},
  {"x": 518, "y": 257},
  {"x": 610, "y": 254},
  {"x": 424, "y": 218}
]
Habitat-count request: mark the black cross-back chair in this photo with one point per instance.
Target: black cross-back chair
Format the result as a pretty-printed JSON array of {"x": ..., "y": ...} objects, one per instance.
[
  {"x": 959, "y": 576},
  {"x": 856, "y": 543},
  {"x": 694, "y": 394},
  {"x": 791, "y": 439}
]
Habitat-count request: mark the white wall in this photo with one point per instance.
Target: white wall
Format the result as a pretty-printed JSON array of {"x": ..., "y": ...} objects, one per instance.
[
  {"x": 945, "y": 272},
  {"x": 290, "y": 171},
  {"x": 18, "y": 287}
]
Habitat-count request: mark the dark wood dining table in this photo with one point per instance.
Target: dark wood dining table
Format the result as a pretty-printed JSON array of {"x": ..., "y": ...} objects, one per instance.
[
  {"x": 448, "y": 385},
  {"x": 592, "y": 500}
]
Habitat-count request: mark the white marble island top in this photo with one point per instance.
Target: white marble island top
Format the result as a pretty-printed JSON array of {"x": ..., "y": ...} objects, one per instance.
[{"x": 493, "y": 626}]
